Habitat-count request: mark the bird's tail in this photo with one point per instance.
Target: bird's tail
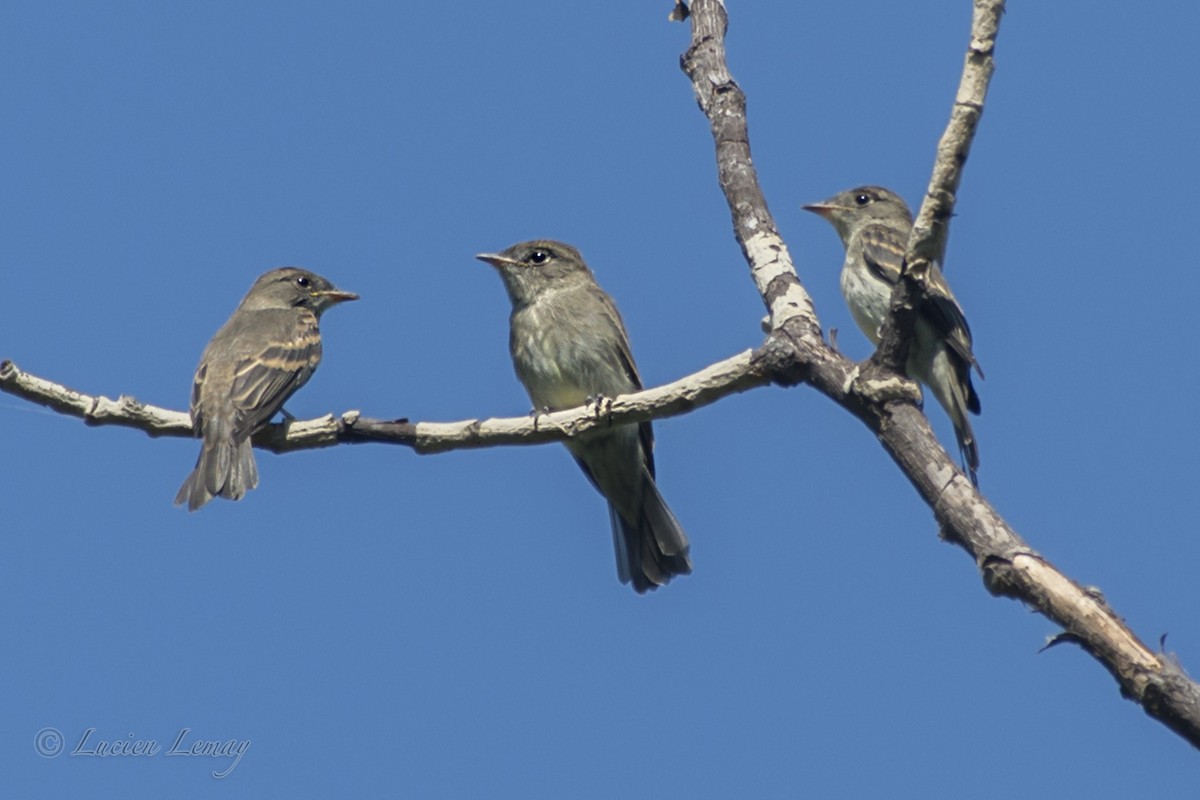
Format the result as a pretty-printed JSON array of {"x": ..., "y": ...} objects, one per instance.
[
  {"x": 225, "y": 468},
  {"x": 965, "y": 399},
  {"x": 948, "y": 375},
  {"x": 968, "y": 449},
  {"x": 655, "y": 549}
]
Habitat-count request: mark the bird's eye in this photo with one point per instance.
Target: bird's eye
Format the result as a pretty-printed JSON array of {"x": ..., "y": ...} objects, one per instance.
[
  {"x": 539, "y": 257},
  {"x": 862, "y": 199},
  {"x": 303, "y": 282}
]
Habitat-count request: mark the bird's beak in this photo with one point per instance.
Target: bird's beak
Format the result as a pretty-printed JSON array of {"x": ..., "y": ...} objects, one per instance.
[
  {"x": 822, "y": 209},
  {"x": 332, "y": 296},
  {"x": 497, "y": 260}
]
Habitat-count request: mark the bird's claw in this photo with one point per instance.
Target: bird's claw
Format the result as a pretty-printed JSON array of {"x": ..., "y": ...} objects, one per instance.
[
  {"x": 537, "y": 412},
  {"x": 601, "y": 405}
]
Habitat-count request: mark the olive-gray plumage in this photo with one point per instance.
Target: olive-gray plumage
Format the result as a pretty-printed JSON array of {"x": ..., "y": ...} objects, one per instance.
[
  {"x": 267, "y": 350},
  {"x": 874, "y": 224},
  {"x": 569, "y": 345}
]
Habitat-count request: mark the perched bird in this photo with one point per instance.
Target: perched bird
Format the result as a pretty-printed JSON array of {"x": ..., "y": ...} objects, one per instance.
[
  {"x": 569, "y": 347},
  {"x": 267, "y": 350},
  {"x": 874, "y": 224}
]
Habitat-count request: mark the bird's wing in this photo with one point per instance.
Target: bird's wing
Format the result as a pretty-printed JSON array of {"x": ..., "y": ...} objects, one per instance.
[
  {"x": 625, "y": 355},
  {"x": 264, "y": 381},
  {"x": 883, "y": 250},
  {"x": 194, "y": 405},
  {"x": 943, "y": 312}
]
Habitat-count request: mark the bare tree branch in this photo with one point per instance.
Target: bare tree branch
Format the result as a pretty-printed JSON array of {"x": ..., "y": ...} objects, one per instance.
[
  {"x": 885, "y": 402},
  {"x": 738, "y": 373},
  {"x": 931, "y": 228}
]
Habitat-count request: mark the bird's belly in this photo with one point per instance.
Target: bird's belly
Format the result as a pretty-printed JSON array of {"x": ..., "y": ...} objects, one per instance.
[
  {"x": 539, "y": 360},
  {"x": 868, "y": 298}
]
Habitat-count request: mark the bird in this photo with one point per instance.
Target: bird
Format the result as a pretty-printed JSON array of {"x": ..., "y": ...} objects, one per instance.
[
  {"x": 874, "y": 225},
  {"x": 569, "y": 347},
  {"x": 263, "y": 353}
]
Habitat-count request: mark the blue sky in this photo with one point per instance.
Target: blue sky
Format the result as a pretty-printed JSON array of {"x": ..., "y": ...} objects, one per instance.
[{"x": 379, "y": 623}]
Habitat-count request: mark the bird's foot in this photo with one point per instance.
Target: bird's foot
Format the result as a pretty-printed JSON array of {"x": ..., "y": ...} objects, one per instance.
[
  {"x": 537, "y": 412},
  {"x": 601, "y": 406}
]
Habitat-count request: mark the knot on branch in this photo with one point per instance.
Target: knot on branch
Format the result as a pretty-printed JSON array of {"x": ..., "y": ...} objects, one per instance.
[
  {"x": 999, "y": 577},
  {"x": 102, "y": 409},
  {"x": 780, "y": 360},
  {"x": 877, "y": 384}
]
